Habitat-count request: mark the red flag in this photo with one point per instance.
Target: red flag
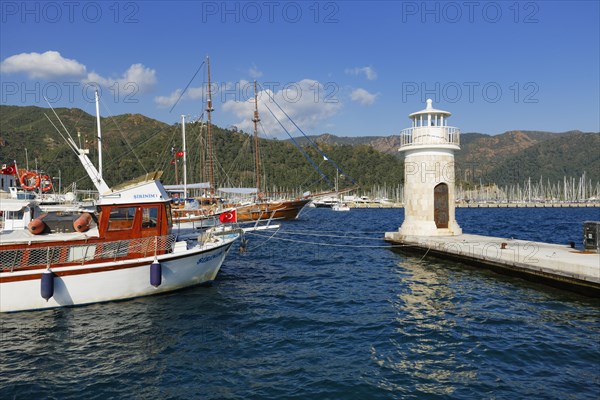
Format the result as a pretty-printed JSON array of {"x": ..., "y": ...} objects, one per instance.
[
  {"x": 173, "y": 162},
  {"x": 179, "y": 154},
  {"x": 9, "y": 170},
  {"x": 228, "y": 217}
]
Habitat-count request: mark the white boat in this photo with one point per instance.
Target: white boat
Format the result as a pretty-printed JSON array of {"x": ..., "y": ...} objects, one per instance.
[
  {"x": 325, "y": 202},
  {"x": 340, "y": 207},
  {"x": 124, "y": 249}
]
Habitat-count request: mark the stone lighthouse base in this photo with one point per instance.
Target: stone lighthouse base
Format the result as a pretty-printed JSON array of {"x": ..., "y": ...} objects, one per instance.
[{"x": 428, "y": 228}]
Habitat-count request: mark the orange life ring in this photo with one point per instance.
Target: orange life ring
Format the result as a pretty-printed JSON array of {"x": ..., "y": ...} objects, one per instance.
[
  {"x": 46, "y": 183},
  {"x": 26, "y": 177}
]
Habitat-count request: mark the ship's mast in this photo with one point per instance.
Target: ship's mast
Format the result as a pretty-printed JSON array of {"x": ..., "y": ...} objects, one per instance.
[
  {"x": 209, "y": 109},
  {"x": 255, "y": 120},
  {"x": 99, "y": 137},
  {"x": 184, "y": 157}
]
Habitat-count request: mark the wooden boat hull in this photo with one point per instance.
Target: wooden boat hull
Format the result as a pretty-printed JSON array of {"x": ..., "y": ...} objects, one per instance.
[
  {"x": 114, "y": 280},
  {"x": 288, "y": 210}
]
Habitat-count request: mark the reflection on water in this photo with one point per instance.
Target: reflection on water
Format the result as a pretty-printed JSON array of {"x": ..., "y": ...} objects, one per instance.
[
  {"x": 292, "y": 319},
  {"x": 460, "y": 331},
  {"x": 426, "y": 338}
]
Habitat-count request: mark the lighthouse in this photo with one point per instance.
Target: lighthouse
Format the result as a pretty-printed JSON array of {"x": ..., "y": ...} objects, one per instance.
[{"x": 428, "y": 146}]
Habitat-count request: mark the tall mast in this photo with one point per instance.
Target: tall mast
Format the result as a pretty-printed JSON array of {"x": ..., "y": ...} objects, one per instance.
[
  {"x": 99, "y": 137},
  {"x": 255, "y": 120},
  {"x": 184, "y": 157},
  {"x": 209, "y": 109}
]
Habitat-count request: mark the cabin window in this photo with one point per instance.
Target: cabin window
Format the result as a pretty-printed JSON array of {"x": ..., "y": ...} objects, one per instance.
[
  {"x": 149, "y": 217},
  {"x": 121, "y": 218}
]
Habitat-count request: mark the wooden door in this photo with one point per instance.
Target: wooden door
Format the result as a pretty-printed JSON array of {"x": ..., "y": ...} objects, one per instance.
[{"x": 440, "y": 205}]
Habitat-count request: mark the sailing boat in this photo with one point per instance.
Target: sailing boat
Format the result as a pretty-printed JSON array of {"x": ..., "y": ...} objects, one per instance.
[
  {"x": 190, "y": 216},
  {"x": 333, "y": 199},
  {"x": 124, "y": 249},
  {"x": 203, "y": 212},
  {"x": 263, "y": 209}
]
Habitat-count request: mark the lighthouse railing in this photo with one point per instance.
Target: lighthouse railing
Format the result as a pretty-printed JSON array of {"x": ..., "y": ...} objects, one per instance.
[{"x": 429, "y": 135}]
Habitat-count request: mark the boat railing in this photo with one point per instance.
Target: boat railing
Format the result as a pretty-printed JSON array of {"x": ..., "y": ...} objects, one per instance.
[
  {"x": 429, "y": 135},
  {"x": 84, "y": 253}
]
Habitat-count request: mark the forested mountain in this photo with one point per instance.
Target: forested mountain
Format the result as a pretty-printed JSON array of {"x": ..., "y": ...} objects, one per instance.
[
  {"x": 134, "y": 144},
  {"x": 510, "y": 157}
]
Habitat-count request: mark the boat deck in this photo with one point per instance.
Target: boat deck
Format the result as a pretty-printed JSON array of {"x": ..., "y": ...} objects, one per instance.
[
  {"x": 24, "y": 236},
  {"x": 556, "y": 265}
]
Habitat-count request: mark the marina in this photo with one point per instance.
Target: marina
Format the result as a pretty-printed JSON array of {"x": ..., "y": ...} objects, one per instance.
[
  {"x": 300, "y": 200},
  {"x": 336, "y": 321}
]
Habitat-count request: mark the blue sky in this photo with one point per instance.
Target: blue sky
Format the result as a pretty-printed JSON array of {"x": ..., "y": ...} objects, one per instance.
[{"x": 349, "y": 68}]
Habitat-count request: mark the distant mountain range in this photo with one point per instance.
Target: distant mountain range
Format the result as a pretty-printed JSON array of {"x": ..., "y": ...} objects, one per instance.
[
  {"x": 134, "y": 144},
  {"x": 507, "y": 158}
]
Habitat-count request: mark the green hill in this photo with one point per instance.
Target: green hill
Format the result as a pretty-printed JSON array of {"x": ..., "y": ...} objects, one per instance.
[
  {"x": 134, "y": 144},
  {"x": 510, "y": 157}
]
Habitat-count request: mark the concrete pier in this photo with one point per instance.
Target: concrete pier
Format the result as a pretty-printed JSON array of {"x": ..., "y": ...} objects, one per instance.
[{"x": 552, "y": 264}]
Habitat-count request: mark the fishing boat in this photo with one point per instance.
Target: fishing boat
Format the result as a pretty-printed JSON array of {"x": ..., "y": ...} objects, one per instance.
[{"x": 124, "y": 249}]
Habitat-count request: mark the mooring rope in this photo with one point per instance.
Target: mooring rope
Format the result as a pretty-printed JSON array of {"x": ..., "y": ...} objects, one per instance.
[
  {"x": 346, "y": 236},
  {"x": 265, "y": 242},
  {"x": 330, "y": 244}
]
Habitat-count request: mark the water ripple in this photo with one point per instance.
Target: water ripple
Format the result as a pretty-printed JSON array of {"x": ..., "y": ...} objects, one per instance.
[{"x": 293, "y": 320}]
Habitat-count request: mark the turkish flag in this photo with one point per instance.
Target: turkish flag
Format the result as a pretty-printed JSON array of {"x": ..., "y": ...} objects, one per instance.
[
  {"x": 9, "y": 170},
  {"x": 228, "y": 217}
]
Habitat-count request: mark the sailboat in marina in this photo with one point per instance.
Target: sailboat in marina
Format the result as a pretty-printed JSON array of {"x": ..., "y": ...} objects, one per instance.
[
  {"x": 124, "y": 249},
  {"x": 189, "y": 214},
  {"x": 262, "y": 208},
  {"x": 200, "y": 213}
]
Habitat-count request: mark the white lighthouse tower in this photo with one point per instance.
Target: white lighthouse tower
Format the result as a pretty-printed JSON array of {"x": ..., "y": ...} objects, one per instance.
[{"x": 429, "y": 146}]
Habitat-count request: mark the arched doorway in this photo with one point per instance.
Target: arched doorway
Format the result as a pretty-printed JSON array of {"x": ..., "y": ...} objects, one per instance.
[{"x": 440, "y": 205}]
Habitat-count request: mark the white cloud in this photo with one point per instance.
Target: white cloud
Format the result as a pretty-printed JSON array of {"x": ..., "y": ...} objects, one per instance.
[
  {"x": 52, "y": 64},
  {"x": 46, "y": 65},
  {"x": 192, "y": 93},
  {"x": 369, "y": 72},
  {"x": 221, "y": 92},
  {"x": 363, "y": 97},
  {"x": 142, "y": 77},
  {"x": 254, "y": 72},
  {"x": 307, "y": 102},
  {"x": 167, "y": 101}
]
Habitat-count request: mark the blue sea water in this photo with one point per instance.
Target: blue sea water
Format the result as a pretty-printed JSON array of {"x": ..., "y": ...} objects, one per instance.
[{"x": 324, "y": 309}]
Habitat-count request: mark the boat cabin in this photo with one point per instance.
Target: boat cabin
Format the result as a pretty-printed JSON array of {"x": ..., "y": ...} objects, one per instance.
[{"x": 116, "y": 222}]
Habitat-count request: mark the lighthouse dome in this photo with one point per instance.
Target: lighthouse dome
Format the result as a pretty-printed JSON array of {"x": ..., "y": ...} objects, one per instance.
[{"x": 430, "y": 110}]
